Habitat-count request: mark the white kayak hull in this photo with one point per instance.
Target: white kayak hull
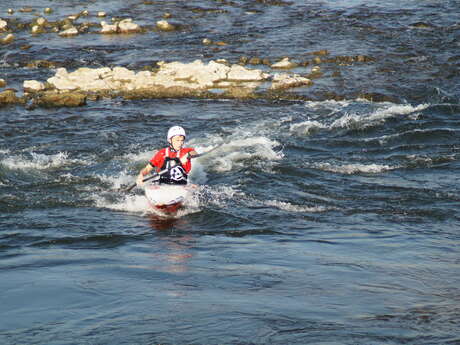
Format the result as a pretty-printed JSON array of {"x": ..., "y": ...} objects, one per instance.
[{"x": 167, "y": 198}]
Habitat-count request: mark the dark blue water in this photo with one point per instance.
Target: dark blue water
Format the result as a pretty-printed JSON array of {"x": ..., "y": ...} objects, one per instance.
[{"x": 330, "y": 219}]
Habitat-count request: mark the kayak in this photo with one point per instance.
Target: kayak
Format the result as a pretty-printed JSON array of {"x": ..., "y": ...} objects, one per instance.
[{"x": 167, "y": 199}]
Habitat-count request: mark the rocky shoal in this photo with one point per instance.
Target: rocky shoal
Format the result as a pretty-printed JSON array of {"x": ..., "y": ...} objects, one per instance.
[{"x": 174, "y": 79}]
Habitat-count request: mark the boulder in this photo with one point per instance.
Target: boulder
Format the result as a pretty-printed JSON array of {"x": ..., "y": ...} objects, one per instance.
[
  {"x": 7, "y": 39},
  {"x": 73, "y": 31},
  {"x": 2, "y": 83},
  {"x": 108, "y": 29},
  {"x": 66, "y": 99},
  {"x": 3, "y": 25},
  {"x": 127, "y": 26},
  {"x": 164, "y": 25},
  {"x": 9, "y": 97},
  {"x": 286, "y": 81},
  {"x": 32, "y": 86},
  {"x": 284, "y": 64}
]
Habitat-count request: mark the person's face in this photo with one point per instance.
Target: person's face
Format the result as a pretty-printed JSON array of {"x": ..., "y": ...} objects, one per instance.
[{"x": 177, "y": 142}]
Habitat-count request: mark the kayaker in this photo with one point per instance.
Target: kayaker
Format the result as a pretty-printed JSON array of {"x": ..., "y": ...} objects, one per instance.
[{"x": 173, "y": 161}]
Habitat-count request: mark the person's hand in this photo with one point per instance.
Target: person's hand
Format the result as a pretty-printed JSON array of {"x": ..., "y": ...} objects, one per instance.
[{"x": 140, "y": 180}]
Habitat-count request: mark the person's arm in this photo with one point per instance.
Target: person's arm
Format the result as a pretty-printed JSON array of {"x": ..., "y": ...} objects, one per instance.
[
  {"x": 188, "y": 155},
  {"x": 147, "y": 170}
]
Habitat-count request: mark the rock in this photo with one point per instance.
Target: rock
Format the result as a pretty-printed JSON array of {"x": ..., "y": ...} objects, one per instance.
[
  {"x": 317, "y": 60},
  {"x": 9, "y": 97},
  {"x": 10, "y": 11},
  {"x": 255, "y": 61},
  {"x": 127, "y": 26},
  {"x": 33, "y": 86},
  {"x": 2, "y": 83},
  {"x": 163, "y": 25},
  {"x": 3, "y": 25},
  {"x": 316, "y": 69},
  {"x": 284, "y": 64},
  {"x": 241, "y": 73},
  {"x": 101, "y": 14},
  {"x": 285, "y": 81},
  {"x": 41, "y": 64},
  {"x": 48, "y": 10},
  {"x": 109, "y": 29},
  {"x": 207, "y": 41},
  {"x": 26, "y": 10},
  {"x": 322, "y": 52},
  {"x": 197, "y": 78},
  {"x": 37, "y": 29},
  {"x": 41, "y": 21},
  {"x": 7, "y": 39},
  {"x": 66, "y": 99},
  {"x": 123, "y": 74},
  {"x": 73, "y": 31}
]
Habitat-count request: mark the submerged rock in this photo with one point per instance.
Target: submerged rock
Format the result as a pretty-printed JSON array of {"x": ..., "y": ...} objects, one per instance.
[
  {"x": 286, "y": 81},
  {"x": 164, "y": 25},
  {"x": 54, "y": 99},
  {"x": 284, "y": 64},
  {"x": 9, "y": 97},
  {"x": 70, "y": 32},
  {"x": 3, "y": 25},
  {"x": 108, "y": 29},
  {"x": 125, "y": 26},
  {"x": 7, "y": 39}
]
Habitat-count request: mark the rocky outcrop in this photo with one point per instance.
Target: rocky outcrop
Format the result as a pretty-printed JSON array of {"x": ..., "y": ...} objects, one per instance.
[
  {"x": 174, "y": 79},
  {"x": 197, "y": 76}
]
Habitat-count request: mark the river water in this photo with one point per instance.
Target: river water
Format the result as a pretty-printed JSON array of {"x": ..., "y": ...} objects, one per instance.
[{"x": 327, "y": 220}]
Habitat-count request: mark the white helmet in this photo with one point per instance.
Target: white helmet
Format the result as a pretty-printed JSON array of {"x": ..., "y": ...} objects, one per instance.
[{"x": 176, "y": 130}]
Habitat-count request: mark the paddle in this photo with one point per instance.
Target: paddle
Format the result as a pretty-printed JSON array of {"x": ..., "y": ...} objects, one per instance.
[
  {"x": 144, "y": 180},
  {"x": 163, "y": 171}
]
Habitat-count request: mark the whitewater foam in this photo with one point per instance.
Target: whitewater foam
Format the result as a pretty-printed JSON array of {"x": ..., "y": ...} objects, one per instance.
[
  {"x": 41, "y": 161},
  {"x": 350, "y": 118},
  {"x": 286, "y": 206},
  {"x": 350, "y": 169}
]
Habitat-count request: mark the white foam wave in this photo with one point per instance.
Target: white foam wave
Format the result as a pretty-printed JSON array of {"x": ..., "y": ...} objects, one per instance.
[
  {"x": 286, "y": 206},
  {"x": 307, "y": 127},
  {"x": 40, "y": 161},
  {"x": 143, "y": 156},
  {"x": 378, "y": 116},
  {"x": 129, "y": 203},
  {"x": 234, "y": 153},
  {"x": 352, "y": 119},
  {"x": 350, "y": 169}
]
